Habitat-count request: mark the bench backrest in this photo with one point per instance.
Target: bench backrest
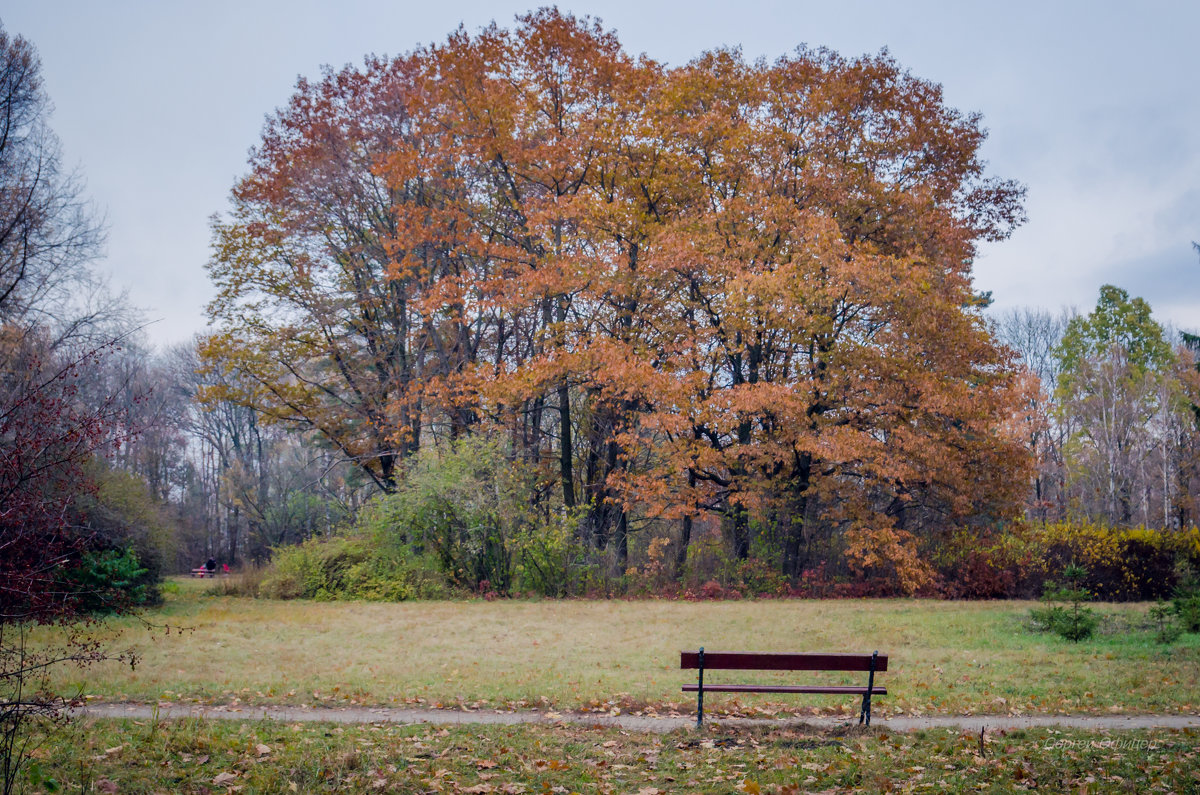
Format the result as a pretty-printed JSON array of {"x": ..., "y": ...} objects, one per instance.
[{"x": 771, "y": 661}]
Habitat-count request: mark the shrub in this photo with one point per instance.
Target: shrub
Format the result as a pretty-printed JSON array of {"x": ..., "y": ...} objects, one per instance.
[
  {"x": 550, "y": 561},
  {"x": 982, "y": 574},
  {"x": 465, "y": 505},
  {"x": 349, "y": 568},
  {"x": 1046, "y": 618},
  {"x": 1187, "y": 608},
  {"x": 1076, "y": 622},
  {"x": 710, "y": 590},
  {"x": 109, "y": 580},
  {"x": 1122, "y": 564},
  {"x": 756, "y": 577},
  {"x": 463, "y": 518},
  {"x": 1146, "y": 564},
  {"x": 395, "y": 579},
  {"x": 707, "y": 560},
  {"x": 1187, "y": 598},
  {"x": 1166, "y": 630},
  {"x": 315, "y": 566}
]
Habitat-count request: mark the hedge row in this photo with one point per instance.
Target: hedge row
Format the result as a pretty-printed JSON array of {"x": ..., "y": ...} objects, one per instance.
[{"x": 1122, "y": 564}]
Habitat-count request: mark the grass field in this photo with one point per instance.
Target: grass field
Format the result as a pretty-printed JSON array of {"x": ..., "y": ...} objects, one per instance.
[
  {"x": 133, "y": 757},
  {"x": 946, "y": 657}
]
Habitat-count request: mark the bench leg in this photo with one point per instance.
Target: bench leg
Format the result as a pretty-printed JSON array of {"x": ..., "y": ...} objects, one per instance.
[
  {"x": 865, "y": 714},
  {"x": 700, "y": 692}
]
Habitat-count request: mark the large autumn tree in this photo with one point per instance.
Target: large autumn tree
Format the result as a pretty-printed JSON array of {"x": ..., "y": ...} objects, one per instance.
[
  {"x": 732, "y": 288},
  {"x": 319, "y": 328},
  {"x": 825, "y": 365}
]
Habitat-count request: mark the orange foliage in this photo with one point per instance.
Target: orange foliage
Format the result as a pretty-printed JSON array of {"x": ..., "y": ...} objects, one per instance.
[{"x": 730, "y": 287}]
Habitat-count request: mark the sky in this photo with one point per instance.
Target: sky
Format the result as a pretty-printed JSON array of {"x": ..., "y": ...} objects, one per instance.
[{"x": 1092, "y": 105}]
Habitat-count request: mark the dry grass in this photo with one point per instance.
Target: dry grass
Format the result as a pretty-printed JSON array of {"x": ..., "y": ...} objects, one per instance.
[
  {"x": 136, "y": 757},
  {"x": 945, "y": 656}
]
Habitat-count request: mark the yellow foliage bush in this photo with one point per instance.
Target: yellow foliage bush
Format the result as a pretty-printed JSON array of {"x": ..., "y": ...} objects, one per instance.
[{"x": 1122, "y": 563}]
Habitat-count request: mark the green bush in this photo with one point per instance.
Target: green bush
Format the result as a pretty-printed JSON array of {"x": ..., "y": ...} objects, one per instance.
[
  {"x": 1077, "y": 624},
  {"x": 1166, "y": 629},
  {"x": 110, "y": 579},
  {"x": 1187, "y": 609},
  {"x": 472, "y": 509},
  {"x": 550, "y": 561},
  {"x": 1074, "y": 622},
  {"x": 349, "y": 568},
  {"x": 1047, "y": 618},
  {"x": 1186, "y": 602},
  {"x": 395, "y": 580},
  {"x": 313, "y": 567},
  {"x": 122, "y": 513}
]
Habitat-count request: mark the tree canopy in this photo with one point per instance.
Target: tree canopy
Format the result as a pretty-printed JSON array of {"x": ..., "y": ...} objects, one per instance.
[{"x": 728, "y": 288}]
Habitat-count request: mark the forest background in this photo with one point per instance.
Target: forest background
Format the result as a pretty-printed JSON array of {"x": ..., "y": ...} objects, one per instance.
[{"x": 520, "y": 312}]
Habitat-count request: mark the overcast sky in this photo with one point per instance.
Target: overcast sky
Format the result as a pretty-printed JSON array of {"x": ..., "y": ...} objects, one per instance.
[{"x": 1093, "y": 105}]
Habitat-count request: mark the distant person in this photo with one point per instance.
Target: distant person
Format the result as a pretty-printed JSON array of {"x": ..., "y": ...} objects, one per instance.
[
  {"x": 224, "y": 568},
  {"x": 211, "y": 565}
]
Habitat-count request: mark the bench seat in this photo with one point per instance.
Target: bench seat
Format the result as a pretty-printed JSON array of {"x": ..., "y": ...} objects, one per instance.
[{"x": 835, "y": 689}]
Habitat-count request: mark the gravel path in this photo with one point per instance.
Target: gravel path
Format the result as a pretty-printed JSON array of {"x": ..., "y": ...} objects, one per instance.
[{"x": 633, "y": 722}]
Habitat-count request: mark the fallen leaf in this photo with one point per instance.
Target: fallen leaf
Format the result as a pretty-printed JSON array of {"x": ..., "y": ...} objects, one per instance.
[
  {"x": 222, "y": 779},
  {"x": 262, "y": 749},
  {"x": 106, "y": 786}
]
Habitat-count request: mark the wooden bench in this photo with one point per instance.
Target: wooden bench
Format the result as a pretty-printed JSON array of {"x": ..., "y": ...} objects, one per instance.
[
  {"x": 202, "y": 572},
  {"x": 771, "y": 661}
]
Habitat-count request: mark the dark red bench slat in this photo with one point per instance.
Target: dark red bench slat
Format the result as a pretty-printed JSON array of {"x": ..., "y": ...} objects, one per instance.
[
  {"x": 875, "y": 691},
  {"x": 758, "y": 661}
]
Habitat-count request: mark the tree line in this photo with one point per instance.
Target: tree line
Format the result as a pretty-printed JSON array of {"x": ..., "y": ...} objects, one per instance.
[{"x": 1114, "y": 424}]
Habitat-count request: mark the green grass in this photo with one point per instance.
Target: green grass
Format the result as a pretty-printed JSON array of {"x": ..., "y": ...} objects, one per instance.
[
  {"x": 193, "y": 756},
  {"x": 945, "y": 657}
]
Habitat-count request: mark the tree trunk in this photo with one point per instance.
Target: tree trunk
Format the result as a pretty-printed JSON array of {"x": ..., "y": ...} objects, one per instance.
[
  {"x": 566, "y": 451},
  {"x": 793, "y": 560},
  {"x": 741, "y": 532}
]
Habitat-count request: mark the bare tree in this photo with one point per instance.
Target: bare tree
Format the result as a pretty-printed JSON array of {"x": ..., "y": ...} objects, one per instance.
[
  {"x": 1034, "y": 334},
  {"x": 57, "y": 323},
  {"x": 48, "y": 231}
]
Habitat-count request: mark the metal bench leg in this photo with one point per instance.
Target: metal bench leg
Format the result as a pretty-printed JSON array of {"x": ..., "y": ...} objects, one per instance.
[{"x": 865, "y": 714}]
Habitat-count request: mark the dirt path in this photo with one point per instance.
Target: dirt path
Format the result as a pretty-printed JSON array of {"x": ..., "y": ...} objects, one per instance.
[{"x": 631, "y": 722}]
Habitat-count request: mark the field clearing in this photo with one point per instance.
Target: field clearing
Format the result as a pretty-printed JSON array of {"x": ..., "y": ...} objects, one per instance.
[{"x": 945, "y": 657}]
